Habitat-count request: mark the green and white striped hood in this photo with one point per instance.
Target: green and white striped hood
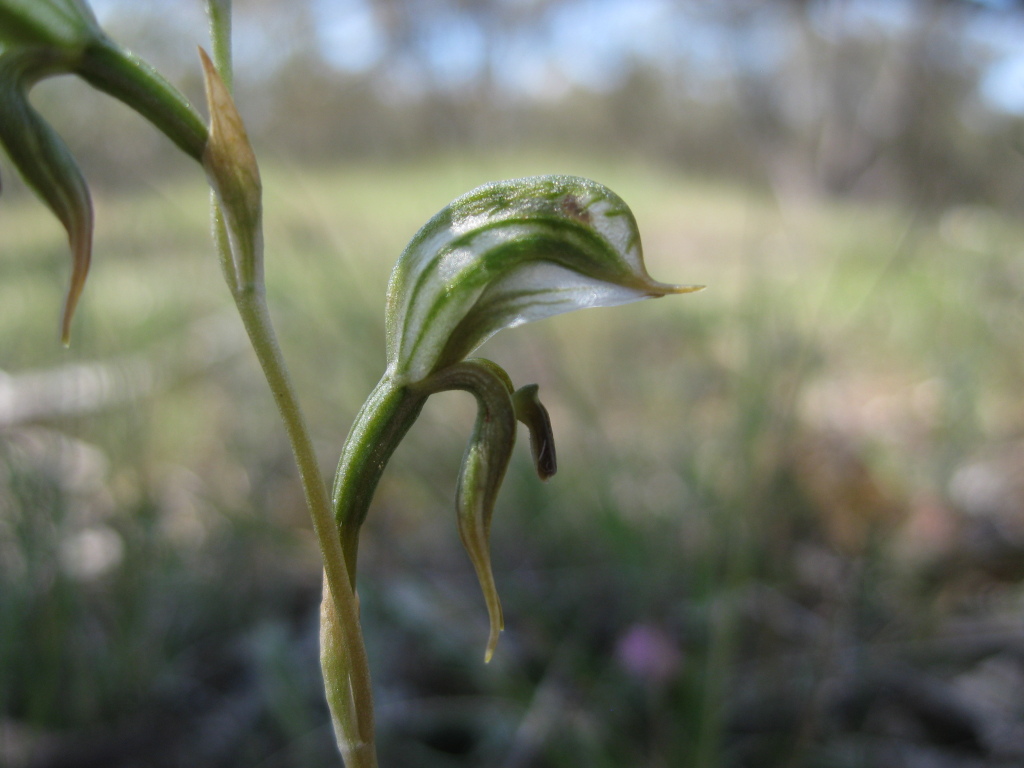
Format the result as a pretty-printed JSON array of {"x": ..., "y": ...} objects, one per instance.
[{"x": 505, "y": 254}]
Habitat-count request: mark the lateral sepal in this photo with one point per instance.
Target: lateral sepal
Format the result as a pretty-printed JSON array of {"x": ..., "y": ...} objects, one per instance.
[{"x": 484, "y": 464}]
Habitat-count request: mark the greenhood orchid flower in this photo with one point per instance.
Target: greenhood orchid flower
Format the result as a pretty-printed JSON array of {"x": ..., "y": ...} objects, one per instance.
[
  {"x": 44, "y": 38},
  {"x": 502, "y": 255}
]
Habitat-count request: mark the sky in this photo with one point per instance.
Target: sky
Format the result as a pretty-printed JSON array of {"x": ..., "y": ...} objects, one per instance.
[{"x": 588, "y": 43}]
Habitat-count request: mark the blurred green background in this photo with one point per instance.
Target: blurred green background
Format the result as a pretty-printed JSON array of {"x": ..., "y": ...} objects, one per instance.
[{"x": 788, "y": 523}]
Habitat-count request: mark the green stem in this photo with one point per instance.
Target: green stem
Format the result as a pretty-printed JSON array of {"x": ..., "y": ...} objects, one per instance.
[
  {"x": 343, "y": 653},
  {"x": 124, "y": 76},
  {"x": 219, "y": 12},
  {"x": 348, "y": 665},
  {"x": 379, "y": 427}
]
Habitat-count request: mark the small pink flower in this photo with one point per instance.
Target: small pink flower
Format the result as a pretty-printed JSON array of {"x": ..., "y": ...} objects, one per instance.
[{"x": 648, "y": 652}]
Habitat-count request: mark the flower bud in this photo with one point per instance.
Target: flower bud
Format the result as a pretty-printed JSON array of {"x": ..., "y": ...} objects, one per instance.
[{"x": 234, "y": 175}]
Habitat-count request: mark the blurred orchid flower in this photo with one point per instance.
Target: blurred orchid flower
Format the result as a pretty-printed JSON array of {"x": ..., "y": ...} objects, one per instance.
[
  {"x": 44, "y": 38},
  {"x": 502, "y": 255}
]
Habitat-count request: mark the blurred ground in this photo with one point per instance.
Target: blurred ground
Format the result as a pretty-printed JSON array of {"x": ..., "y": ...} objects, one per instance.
[{"x": 788, "y": 523}]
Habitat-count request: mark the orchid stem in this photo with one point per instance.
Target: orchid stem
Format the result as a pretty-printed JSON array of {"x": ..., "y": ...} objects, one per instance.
[
  {"x": 343, "y": 652},
  {"x": 219, "y": 12},
  {"x": 346, "y": 667}
]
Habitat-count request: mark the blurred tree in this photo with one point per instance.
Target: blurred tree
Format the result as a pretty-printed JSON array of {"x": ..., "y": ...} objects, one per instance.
[{"x": 836, "y": 96}]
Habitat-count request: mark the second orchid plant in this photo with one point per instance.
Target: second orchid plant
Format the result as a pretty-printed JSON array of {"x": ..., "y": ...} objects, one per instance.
[{"x": 501, "y": 255}]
